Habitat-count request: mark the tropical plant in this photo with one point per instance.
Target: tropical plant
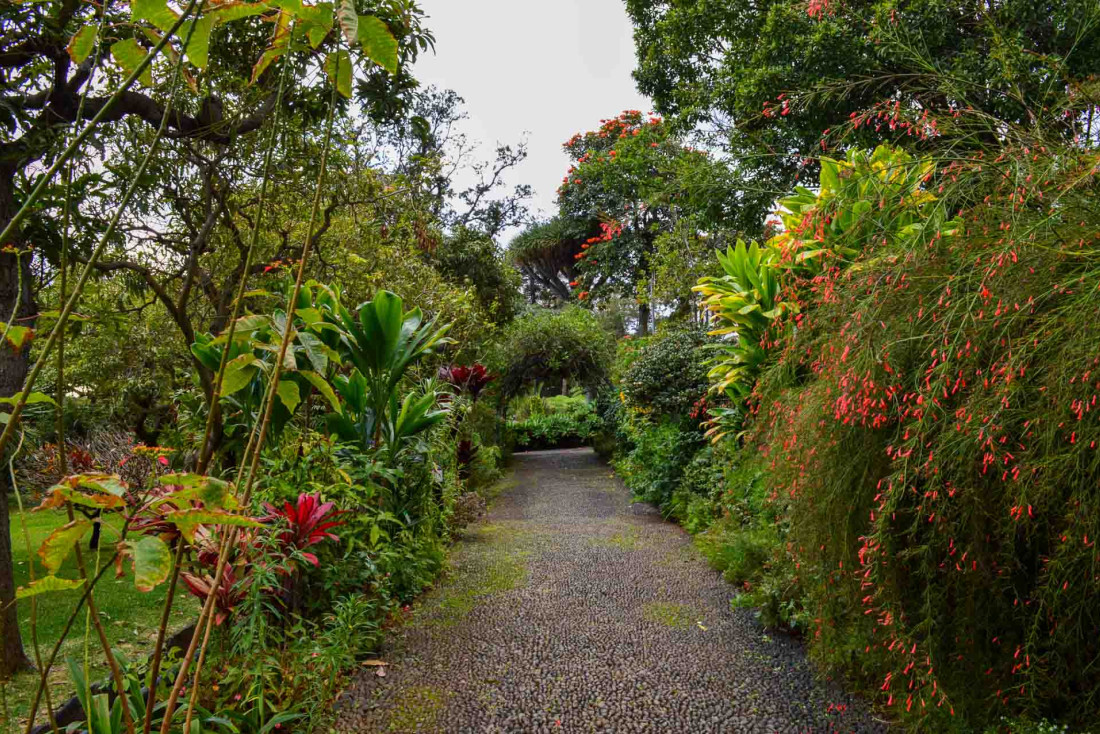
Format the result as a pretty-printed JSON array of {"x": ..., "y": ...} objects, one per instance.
[{"x": 382, "y": 341}]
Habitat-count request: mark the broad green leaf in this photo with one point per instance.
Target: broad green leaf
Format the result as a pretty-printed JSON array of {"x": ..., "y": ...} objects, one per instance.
[
  {"x": 156, "y": 12},
  {"x": 56, "y": 548},
  {"x": 288, "y": 393},
  {"x": 106, "y": 483},
  {"x": 82, "y": 43},
  {"x": 198, "y": 47},
  {"x": 315, "y": 350},
  {"x": 213, "y": 493},
  {"x": 34, "y": 397},
  {"x": 187, "y": 521},
  {"x": 349, "y": 21},
  {"x": 129, "y": 54},
  {"x": 47, "y": 584},
  {"x": 265, "y": 61},
  {"x": 323, "y": 387},
  {"x": 238, "y": 373},
  {"x": 152, "y": 562},
  {"x": 378, "y": 43},
  {"x": 338, "y": 69}
]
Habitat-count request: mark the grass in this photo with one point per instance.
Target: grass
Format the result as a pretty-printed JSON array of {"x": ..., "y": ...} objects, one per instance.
[
  {"x": 417, "y": 709},
  {"x": 676, "y": 616},
  {"x": 130, "y": 617}
]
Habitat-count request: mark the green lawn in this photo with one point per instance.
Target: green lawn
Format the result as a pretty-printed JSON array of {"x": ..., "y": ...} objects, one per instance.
[{"x": 129, "y": 617}]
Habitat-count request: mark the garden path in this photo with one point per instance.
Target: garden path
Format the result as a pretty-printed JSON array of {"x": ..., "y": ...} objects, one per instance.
[{"x": 571, "y": 610}]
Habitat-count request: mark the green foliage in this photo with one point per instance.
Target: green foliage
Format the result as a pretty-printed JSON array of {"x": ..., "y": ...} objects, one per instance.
[
  {"x": 666, "y": 377},
  {"x": 470, "y": 259},
  {"x": 549, "y": 346},
  {"x": 562, "y": 421}
]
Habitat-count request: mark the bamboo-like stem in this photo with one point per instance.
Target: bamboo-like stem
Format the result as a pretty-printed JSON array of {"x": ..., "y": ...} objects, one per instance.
[
  {"x": 206, "y": 615},
  {"x": 30, "y": 563},
  {"x": 43, "y": 673},
  {"x": 204, "y": 459},
  {"x": 204, "y": 456},
  {"x": 56, "y": 335}
]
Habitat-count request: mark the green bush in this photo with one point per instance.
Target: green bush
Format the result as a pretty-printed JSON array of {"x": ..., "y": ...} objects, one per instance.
[
  {"x": 562, "y": 421},
  {"x": 666, "y": 375}
]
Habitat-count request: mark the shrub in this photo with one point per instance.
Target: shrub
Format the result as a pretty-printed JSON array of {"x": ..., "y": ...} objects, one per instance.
[
  {"x": 562, "y": 421},
  {"x": 667, "y": 375}
]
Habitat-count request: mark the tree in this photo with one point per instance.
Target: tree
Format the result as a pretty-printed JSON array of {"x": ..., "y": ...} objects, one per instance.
[
  {"x": 729, "y": 68},
  {"x": 469, "y": 258},
  {"x": 433, "y": 152},
  {"x": 50, "y": 52},
  {"x": 551, "y": 345},
  {"x": 546, "y": 255},
  {"x": 634, "y": 179}
]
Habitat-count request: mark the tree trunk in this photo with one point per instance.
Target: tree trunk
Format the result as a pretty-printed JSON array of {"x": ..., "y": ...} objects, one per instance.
[
  {"x": 643, "y": 319},
  {"x": 13, "y": 370}
]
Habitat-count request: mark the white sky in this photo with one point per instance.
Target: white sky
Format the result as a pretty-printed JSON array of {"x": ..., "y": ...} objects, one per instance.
[{"x": 549, "y": 68}]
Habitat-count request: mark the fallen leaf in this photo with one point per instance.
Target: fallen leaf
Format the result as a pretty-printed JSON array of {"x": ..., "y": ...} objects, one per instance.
[
  {"x": 375, "y": 662},
  {"x": 701, "y": 626},
  {"x": 381, "y": 673}
]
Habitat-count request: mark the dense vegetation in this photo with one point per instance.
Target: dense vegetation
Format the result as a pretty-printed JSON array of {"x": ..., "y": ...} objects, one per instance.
[{"x": 831, "y": 308}]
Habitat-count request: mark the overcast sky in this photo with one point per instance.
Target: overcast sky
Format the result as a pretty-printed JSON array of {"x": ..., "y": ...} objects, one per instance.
[{"x": 549, "y": 68}]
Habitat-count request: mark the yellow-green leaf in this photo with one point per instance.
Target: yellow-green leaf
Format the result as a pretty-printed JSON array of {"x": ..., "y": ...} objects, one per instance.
[
  {"x": 34, "y": 397},
  {"x": 187, "y": 521},
  {"x": 47, "y": 584},
  {"x": 323, "y": 387},
  {"x": 238, "y": 373},
  {"x": 213, "y": 493},
  {"x": 338, "y": 68},
  {"x": 81, "y": 44},
  {"x": 56, "y": 548},
  {"x": 289, "y": 394},
  {"x": 198, "y": 47},
  {"x": 129, "y": 54},
  {"x": 60, "y": 495},
  {"x": 378, "y": 43},
  {"x": 156, "y": 12},
  {"x": 152, "y": 562}
]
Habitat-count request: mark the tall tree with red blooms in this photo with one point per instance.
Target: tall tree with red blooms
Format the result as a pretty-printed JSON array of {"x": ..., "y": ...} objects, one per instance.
[{"x": 630, "y": 180}]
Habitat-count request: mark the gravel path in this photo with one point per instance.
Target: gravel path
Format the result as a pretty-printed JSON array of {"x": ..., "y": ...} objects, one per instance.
[{"x": 571, "y": 610}]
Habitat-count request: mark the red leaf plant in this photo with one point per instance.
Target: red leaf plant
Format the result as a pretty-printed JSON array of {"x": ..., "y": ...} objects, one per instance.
[
  {"x": 467, "y": 378},
  {"x": 227, "y": 596},
  {"x": 307, "y": 523}
]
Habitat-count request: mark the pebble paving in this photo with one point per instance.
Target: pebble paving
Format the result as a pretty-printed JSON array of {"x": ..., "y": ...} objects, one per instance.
[{"x": 569, "y": 609}]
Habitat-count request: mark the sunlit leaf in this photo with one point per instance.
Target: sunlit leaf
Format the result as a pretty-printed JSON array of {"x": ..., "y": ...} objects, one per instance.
[
  {"x": 338, "y": 69},
  {"x": 33, "y": 398},
  {"x": 378, "y": 43},
  {"x": 60, "y": 495},
  {"x": 289, "y": 394},
  {"x": 56, "y": 548},
  {"x": 198, "y": 47},
  {"x": 47, "y": 584},
  {"x": 156, "y": 12},
  {"x": 129, "y": 54},
  {"x": 152, "y": 562},
  {"x": 81, "y": 44},
  {"x": 187, "y": 521}
]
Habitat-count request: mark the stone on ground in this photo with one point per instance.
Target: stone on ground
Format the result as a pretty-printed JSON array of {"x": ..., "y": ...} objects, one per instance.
[{"x": 571, "y": 610}]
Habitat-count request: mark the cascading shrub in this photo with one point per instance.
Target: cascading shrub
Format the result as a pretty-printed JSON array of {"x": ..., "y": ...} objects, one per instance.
[{"x": 928, "y": 418}]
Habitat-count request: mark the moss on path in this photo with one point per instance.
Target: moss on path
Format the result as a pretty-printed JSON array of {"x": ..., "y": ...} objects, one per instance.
[{"x": 572, "y": 610}]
